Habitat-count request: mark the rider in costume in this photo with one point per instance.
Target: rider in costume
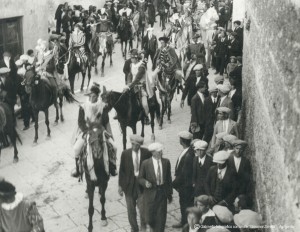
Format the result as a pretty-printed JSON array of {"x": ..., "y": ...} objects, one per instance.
[
  {"x": 77, "y": 42},
  {"x": 93, "y": 111}
]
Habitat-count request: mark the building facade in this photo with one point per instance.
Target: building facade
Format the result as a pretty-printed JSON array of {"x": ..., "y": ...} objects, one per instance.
[{"x": 22, "y": 23}]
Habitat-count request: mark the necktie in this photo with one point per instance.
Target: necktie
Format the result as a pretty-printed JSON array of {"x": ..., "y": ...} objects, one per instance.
[
  {"x": 220, "y": 174},
  {"x": 158, "y": 174},
  {"x": 136, "y": 163}
]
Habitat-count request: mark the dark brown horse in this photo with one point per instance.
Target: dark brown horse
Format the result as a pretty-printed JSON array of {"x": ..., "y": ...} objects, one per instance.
[
  {"x": 43, "y": 95},
  {"x": 94, "y": 143},
  {"x": 124, "y": 30},
  {"x": 7, "y": 128},
  {"x": 130, "y": 112},
  {"x": 101, "y": 45}
]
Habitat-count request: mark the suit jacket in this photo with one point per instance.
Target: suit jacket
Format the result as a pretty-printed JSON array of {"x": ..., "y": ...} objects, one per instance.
[
  {"x": 200, "y": 174},
  {"x": 221, "y": 48},
  {"x": 229, "y": 189},
  {"x": 240, "y": 35},
  {"x": 126, "y": 170},
  {"x": 226, "y": 103},
  {"x": 237, "y": 99},
  {"x": 184, "y": 171},
  {"x": 243, "y": 175},
  {"x": 235, "y": 48},
  {"x": 150, "y": 46},
  {"x": 200, "y": 111},
  {"x": 232, "y": 129},
  {"x": 147, "y": 172},
  {"x": 237, "y": 75}
]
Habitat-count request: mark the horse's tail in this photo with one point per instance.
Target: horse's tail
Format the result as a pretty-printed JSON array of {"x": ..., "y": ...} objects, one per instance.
[
  {"x": 18, "y": 136},
  {"x": 66, "y": 92}
]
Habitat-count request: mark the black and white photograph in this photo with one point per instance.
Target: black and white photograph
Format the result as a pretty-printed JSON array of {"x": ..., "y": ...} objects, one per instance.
[{"x": 150, "y": 116}]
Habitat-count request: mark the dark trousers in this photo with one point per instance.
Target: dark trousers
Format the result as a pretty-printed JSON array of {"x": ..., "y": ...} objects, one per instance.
[
  {"x": 220, "y": 64},
  {"x": 159, "y": 212},
  {"x": 58, "y": 26},
  {"x": 67, "y": 39},
  {"x": 163, "y": 18},
  {"x": 133, "y": 200},
  {"x": 151, "y": 54},
  {"x": 199, "y": 135},
  {"x": 186, "y": 200}
]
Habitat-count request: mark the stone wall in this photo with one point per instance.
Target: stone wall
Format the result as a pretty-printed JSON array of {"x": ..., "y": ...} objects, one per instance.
[
  {"x": 34, "y": 19},
  {"x": 271, "y": 87}
]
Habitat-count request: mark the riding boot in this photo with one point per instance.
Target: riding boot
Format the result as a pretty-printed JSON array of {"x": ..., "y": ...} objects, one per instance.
[
  {"x": 112, "y": 169},
  {"x": 76, "y": 174}
]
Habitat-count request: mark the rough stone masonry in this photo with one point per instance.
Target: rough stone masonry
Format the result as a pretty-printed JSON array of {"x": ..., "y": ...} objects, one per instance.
[{"x": 271, "y": 109}]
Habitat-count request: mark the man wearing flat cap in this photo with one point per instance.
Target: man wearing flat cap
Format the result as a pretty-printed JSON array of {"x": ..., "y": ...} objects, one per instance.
[
  {"x": 201, "y": 164},
  {"x": 183, "y": 176},
  {"x": 131, "y": 160},
  {"x": 201, "y": 113},
  {"x": 221, "y": 53},
  {"x": 224, "y": 124},
  {"x": 248, "y": 221},
  {"x": 221, "y": 183},
  {"x": 196, "y": 48},
  {"x": 155, "y": 177},
  {"x": 241, "y": 166},
  {"x": 224, "y": 100},
  {"x": 93, "y": 112},
  {"x": 16, "y": 213}
]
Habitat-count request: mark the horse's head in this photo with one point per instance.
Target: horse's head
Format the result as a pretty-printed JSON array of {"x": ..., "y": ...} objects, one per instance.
[
  {"x": 95, "y": 138},
  {"x": 31, "y": 79}
]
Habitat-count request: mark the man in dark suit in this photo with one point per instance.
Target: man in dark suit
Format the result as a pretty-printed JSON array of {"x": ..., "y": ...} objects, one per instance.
[
  {"x": 221, "y": 52},
  {"x": 8, "y": 62},
  {"x": 200, "y": 112},
  {"x": 212, "y": 100},
  {"x": 67, "y": 25},
  {"x": 131, "y": 160},
  {"x": 183, "y": 176},
  {"x": 201, "y": 165},
  {"x": 236, "y": 74},
  {"x": 234, "y": 46},
  {"x": 221, "y": 183},
  {"x": 150, "y": 44},
  {"x": 241, "y": 166},
  {"x": 155, "y": 177},
  {"x": 239, "y": 31}
]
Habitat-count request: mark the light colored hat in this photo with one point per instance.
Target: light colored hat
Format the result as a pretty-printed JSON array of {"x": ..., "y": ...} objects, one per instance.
[
  {"x": 185, "y": 135},
  {"x": 204, "y": 199},
  {"x": 103, "y": 10},
  {"x": 221, "y": 135},
  {"x": 230, "y": 139},
  {"x": 19, "y": 62},
  {"x": 223, "y": 213},
  {"x": 137, "y": 139},
  {"x": 155, "y": 147},
  {"x": 4, "y": 70},
  {"x": 198, "y": 67},
  {"x": 219, "y": 79},
  {"x": 247, "y": 218},
  {"x": 212, "y": 89},
  {"x": 194, "y": 141},
  {"x": 224, "y": 109},
  {"x": 150, "y": 29},
  {"x": 116, "y": 1},
  {"x": 239, "y": 142},
  {"x": 200, "y": 145},
  {"x": 24, "y": 57},
  {"x": 220, "y": 157},
  {"x": 224, "y": 88},
  {"x": 221, "y": 28},
  {"x": 218, "y": 229}
]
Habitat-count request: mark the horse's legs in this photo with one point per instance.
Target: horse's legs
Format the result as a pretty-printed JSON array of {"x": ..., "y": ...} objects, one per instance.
[
  {"x": 13, "y": 138},
  {"x": 90, "y": 191},
  {"x": 123, "y": 128},
  {"x": 102, "y": 201},
  {"x": 111, "y": 62},
  {"x": 57, "y": 114},
  {"x": 163, "y": 110},
  {"x": 36, "y": 125},
  {"x": 47, "y": 122},
  {"x": 103, "y": 64},
  {"x": 125, "y": 52},
  {"x": 82, "y": 83},
  {"x": 60, "y": 108},
  {"x": 122, "y": 49},
  {"x": 134, "y": 129},
  {"x": 72, "y": 80},
  {"x": 89, "y": 67}
]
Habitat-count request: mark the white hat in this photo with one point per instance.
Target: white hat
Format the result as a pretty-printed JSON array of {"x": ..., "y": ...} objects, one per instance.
[
  {"x": 150, "y": 29},
  {"x": 220, "y": 157},
  {"x": 116, "y": 1},
  {"x": 155, "y": 147},
  {"x": 103, "y": 10},
  {"x": 200, "y": 145},
  {"x": 247, "y": 218},
  {"x": 198, "y": 67},
  {"x": 4, "y": 70},
  {"x": 229, "y": 139},
  {"x": 223, "y": 213},
  {"x": 185, "y": 135},
  {"x": 24, "y": 57},
  {"x": 224, "y": 88},
  {"x": 224, "y": 109},
  {"x": 19, "y": 62},
  {"x": 221, "y": 135},
  {"x": 136, "y": 139}
]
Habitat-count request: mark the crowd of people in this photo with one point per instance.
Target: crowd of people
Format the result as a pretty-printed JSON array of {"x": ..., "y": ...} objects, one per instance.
[{"x": 212, "y": 176}]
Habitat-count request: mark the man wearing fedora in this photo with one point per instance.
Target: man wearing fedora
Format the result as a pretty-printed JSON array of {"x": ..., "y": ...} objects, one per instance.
[
  {"x": 150, "y": 44},
  {"x": 92, "y": 111}
]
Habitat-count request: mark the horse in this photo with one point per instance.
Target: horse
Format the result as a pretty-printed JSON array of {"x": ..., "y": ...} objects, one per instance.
[
  {"x": 94, "y": 144},
  {"x": 77, "y": 65},
  {"x": 42, "y": 96},
  {"x": 101, "y": 44},
  {"x": 125, "y": 34},
  {"x": 7, "y": 128},
  {"x": 130, "y": 112}
]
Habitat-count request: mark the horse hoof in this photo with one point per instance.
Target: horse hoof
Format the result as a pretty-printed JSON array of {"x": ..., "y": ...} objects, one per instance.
[
  {"x": 153, "y": 138},
  {"x": 55, "y": 123},
  {"x": 160, "y": 127},
  {"x": 62, "y": 119},
  {"x": 16, "y": 160},
  {"x": 48, "y": 137},
  {"x": 169, "y": 121},
  {"x": 34, "y": 143},
  {"x": 104, "y": 223}
]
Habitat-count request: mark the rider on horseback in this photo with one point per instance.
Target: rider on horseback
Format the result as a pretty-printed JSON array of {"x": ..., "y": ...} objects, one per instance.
[
  {"x": 77, "y": 42},
  {"x": 139, "y": 81},
  {"x": 93, "y": 111}
]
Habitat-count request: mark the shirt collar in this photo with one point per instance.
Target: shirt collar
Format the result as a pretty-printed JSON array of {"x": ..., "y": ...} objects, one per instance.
[
  {"x": 202, "y": 160},
  {"x": 14, "y": 204}
]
